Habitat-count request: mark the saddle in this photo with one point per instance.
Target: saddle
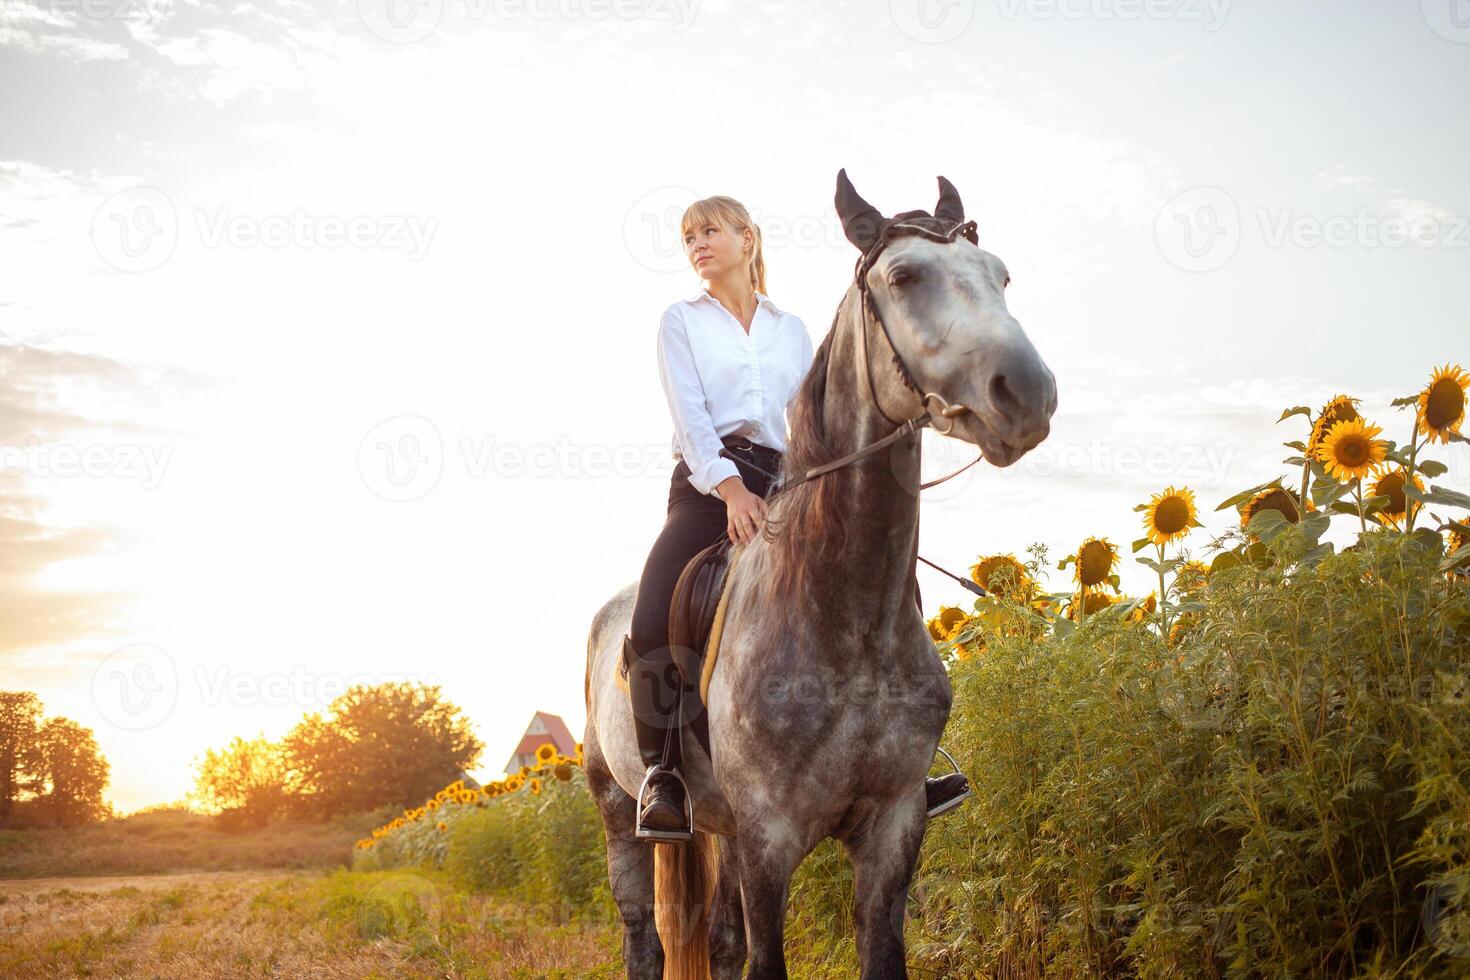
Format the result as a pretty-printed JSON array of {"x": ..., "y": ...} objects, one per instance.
[{"x": 695, "y": 625}]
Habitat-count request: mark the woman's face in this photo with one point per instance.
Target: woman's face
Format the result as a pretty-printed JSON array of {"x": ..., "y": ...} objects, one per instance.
[{"x": 716, "y": 251}]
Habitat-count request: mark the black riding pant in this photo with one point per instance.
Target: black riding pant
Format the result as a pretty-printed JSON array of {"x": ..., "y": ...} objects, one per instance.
[{"x": 695, "y": 521}]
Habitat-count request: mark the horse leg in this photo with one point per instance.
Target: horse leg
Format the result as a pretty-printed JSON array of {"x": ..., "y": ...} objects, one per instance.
[
  {"x": 629, "y": 871},
  {"x": 766, "y": 861},
  {"x": 727, "y": 919},
  {"x": 883, "y": 858}
]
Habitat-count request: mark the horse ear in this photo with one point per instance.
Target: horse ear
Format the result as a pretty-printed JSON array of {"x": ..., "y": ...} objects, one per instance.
[
  {"x": 860, "y": 220},
  {"x": 949, "y": 207}
]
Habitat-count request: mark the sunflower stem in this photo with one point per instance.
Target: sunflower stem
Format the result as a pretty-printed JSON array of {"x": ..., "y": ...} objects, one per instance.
[
  {"x": 1358, "y": 492},
  {"x": 1409, "y": 507},
  {"x": 1163, "y": 598}
]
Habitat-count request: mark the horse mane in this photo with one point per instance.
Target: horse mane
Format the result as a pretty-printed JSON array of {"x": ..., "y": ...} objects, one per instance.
[{"x": 805, "y": 524}]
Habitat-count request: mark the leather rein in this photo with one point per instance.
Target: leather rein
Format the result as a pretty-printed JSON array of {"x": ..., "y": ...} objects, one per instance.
[{"x": 947, "y": 410}]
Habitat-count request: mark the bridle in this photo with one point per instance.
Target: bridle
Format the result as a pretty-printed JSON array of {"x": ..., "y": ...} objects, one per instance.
[{"x": 868, "y": 310}]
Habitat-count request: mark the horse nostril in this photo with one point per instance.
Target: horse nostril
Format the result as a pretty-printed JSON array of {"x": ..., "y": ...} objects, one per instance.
[{"x": 1002, "y": 398}]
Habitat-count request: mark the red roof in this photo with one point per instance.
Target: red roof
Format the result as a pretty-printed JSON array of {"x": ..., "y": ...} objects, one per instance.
[{"x": 556, "y": 733}]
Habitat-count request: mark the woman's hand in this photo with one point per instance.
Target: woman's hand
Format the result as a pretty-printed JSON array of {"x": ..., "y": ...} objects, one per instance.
[{"x": 745, "y": 511}]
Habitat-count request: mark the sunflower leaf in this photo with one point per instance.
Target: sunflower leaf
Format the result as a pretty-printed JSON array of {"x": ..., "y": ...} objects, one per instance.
[
  {"x": 1406, "y": 400},
  {"x": 1267, "y": 524},
  {"x": 1151, "y": 564},
  {"x": 1315, "y": 526},
  {"x": 1315, "y": 555},
  {"x": 1326, "y": 491},
  {"x": 1374, "y": 504},
  {"x": 1224, "y": 560},
  {"x": 1140, "y": 544},
  {"x": 1295, "y": 410},
  {"x": 1431, "y": 468},
  {"x": 1294, "y": 461},
  {"x": 1296, "y": 444},
  {"x": 1342, "y": 507},
  {"x": 1448, "y": 497},
  {"x": 1455, "y": 559}
]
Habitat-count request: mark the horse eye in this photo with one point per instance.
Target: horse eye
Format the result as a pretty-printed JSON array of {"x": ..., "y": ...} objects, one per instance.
[{"x": 901, "y": 277}]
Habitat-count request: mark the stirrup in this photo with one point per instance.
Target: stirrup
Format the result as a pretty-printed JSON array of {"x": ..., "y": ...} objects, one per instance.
[
  {"x": 653, "y": 833},
  {"x": 949, "y": 804}
]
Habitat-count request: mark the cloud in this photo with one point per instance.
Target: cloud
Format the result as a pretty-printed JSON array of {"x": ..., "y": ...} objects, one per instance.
[
  {"x": 1338, "y": 175},
  {"x": 39, "y": 388}
]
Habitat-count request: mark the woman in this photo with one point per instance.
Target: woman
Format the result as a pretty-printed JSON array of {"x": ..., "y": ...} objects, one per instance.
[{"x": 731, "y": 361}]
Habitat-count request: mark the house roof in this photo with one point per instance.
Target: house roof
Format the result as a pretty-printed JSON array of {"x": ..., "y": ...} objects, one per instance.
[{"x": 556, "y": 733}]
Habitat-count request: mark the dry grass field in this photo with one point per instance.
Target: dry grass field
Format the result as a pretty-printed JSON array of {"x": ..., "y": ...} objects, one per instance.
[{"x": 285, "y": 924}]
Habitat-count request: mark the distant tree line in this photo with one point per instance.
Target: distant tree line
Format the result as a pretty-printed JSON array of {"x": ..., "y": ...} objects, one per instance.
[
  {"x": 51, "y": 772},
  {"x": 387, "y": 744}
]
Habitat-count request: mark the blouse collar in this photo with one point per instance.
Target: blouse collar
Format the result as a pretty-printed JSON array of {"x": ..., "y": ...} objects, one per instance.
[{"x": 761, "y": 299}]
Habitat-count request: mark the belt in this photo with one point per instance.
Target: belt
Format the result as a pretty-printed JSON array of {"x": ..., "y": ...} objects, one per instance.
[{"x": 743, "y": 444}]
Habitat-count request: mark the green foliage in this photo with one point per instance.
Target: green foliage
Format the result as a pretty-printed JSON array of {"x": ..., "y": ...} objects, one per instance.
[
  {"x": 543, "y": 849},
  {"x": 1286, "y": 789}
]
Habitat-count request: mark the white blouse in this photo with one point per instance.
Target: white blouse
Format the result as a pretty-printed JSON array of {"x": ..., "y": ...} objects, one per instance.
[{"x": 721, "y": 381}]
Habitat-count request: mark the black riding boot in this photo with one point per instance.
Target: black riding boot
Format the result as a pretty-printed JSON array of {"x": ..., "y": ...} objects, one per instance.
[
  {"x": 944, "y": 793},
  {"x": 654, "y": 689}
]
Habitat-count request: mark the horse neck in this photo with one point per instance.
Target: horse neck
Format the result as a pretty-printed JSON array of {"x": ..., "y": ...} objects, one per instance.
[{"x": 872, "y": 584}]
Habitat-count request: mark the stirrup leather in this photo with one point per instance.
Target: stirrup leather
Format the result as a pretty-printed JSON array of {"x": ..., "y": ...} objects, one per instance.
[
  {"x": 652, "y": 833},
  {"x": 944, "y": 806}
]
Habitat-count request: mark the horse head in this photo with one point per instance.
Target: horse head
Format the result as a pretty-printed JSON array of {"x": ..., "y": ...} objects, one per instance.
[{"x": 940, "y": 299}]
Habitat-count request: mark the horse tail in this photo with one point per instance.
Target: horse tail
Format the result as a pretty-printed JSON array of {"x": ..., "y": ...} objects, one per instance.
[{"x": 684, "y": 877}]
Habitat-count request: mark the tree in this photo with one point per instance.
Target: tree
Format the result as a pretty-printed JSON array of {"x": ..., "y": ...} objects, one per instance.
[
  {"x": 248, "y": 776},
  {"x": 70, "y": 772},
  {"x": 394, "y": 743},
  {"x": 20, "y": 717}
]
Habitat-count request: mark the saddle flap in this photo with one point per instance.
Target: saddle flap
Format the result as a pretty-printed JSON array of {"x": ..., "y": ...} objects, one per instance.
[{"x": 692, "y": 610}]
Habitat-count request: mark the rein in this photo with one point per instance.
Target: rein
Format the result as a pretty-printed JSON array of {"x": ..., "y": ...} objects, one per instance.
[{"x": 947, "y": 410}]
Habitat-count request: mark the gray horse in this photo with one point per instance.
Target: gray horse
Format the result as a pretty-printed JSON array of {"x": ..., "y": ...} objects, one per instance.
[{"x": 828, "y": 701}]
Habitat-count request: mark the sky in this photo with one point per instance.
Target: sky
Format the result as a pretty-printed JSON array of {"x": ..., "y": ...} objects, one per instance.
[{"x": 327, "y": 330}]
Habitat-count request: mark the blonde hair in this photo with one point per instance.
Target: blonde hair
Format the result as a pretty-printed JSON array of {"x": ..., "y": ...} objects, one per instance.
[{"x": 728, "y": 213}]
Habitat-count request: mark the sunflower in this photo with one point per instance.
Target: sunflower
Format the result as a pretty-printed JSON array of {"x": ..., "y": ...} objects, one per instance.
[
  {"x": 1096, "y": 560},
  {"x": 1457, "y": 539},
  {"x": 1350, "y": 451},
  {"x": 535, "y": 787},
  {"x": 1092, "y": 602},
  {"x": 944, "y": 625},
  {"x": 1170, "y": 515},
  {"x": 1183, "y": 626},
  {"x": 1002, "y": 575},
  {"x": 563, "y": 772},
  {"x": 546, "y": 752},
  {"x": 441, "y": 826},
  {"x": 1391, "y": 485},
  {"x": 1147, "y": 608},
  {"x": 1279, "y": 499},
  {"x": 432, "y": 805},
  {"x": 1340, "y": 409},
  {"x": 466, "y": 796},
  {"x": 1192, "y": 576},
  {"x": 1442, "y": 403}
]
